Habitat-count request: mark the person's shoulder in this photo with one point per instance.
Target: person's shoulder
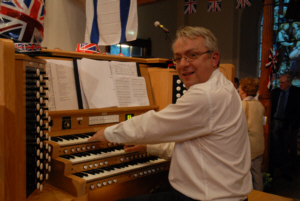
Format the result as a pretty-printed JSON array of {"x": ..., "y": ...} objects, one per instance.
[
  {"x": 295, "y": 87},
  {"x": 275, "y": 91},
  {"x": 295, "y": 91}
]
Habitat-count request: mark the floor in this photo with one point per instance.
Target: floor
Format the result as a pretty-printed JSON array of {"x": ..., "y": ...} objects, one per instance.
[{"x": 285, "y": 188}]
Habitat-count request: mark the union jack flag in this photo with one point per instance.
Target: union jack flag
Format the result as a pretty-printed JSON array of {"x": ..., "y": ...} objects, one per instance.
[
  {"x": 32, "y": 47},
  {"x": 190, "y": 6},
  {"x": 20, "y": 47},
  {"x": 88, "y": 48},
  {"x": 214, "y": 5},
  {"x": 23, "y": 20},
  {"x": 28, "y": 47},
  {"x": 272, "y": 65},
  {"x": 242, "y": 3}
]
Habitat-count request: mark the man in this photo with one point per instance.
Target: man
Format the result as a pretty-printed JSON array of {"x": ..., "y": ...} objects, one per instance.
[
  {"x": 211, "y": 157},
  {"x": 285, "y": 115}
]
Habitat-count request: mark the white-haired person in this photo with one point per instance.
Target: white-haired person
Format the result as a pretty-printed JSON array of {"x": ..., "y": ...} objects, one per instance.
[{"x": 211, "y": 157}]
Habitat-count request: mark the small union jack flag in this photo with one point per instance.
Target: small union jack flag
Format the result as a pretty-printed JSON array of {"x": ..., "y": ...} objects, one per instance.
[
  {"x": 32, "y": 47},
  {"x": 88, "y": 48},
  {"x": 190, "y": 6},
  {"x": 20, "y": 47},
  {"x": 28, "y": 47},
  {"x": 22, "y": 20},
  {"x": 242, "y": 3},
  {"x": 214, "y": 5},
  {"x": 272, "y": 65}
]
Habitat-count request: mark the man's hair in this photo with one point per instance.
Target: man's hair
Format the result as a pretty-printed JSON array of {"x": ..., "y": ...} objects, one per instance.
[
  {"x": 249, "y": 86},
  {"x": 211, "y": 42},
  {"x": 288, "y": 76}
]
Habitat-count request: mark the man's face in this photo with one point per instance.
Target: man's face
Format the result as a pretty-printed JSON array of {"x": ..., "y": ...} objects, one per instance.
[
  {"x": 200, "y": 69},
  {"x": 283, "y": 83}
]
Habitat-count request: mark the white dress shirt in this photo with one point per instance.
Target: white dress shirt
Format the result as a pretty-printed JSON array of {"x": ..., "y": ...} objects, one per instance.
[{"x": 211, "y": 158}]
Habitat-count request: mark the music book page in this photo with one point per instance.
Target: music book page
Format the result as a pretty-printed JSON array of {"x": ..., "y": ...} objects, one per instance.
[
  {"x": 124, "y": 69},
  {"x": 130, "y": 89},
  {"x": 61, "y": 84},
  {"x": 95, "y": 77},
  {"x": 85, "y": 104}
]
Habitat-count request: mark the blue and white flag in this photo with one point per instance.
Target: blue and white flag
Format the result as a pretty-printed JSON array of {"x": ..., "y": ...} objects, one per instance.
[{"x": 110, "y": 22}]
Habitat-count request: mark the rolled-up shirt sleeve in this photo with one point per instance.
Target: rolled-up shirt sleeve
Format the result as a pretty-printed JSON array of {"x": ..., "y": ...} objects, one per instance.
[{"x": 162, "y": 150}]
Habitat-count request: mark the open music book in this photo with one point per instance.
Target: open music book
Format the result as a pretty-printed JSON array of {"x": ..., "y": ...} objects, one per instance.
[{"x": 88, "y": 84}]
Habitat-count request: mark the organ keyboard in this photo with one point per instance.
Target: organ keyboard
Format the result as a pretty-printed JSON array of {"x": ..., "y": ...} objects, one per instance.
[{"x": 80, "y": 166}]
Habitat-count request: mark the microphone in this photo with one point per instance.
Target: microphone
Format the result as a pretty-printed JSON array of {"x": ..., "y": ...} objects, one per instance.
[{"x": 157, "y": 24}]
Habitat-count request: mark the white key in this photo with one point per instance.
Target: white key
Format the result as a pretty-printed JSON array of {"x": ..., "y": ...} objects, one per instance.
[
  {"x": 96, "y": 156},
  {"x": 99, "y": 176},
  {"x": 73, "y": 142}
]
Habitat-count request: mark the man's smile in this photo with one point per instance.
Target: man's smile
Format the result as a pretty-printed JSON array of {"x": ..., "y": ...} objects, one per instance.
[{"x": 187, "y": 74}]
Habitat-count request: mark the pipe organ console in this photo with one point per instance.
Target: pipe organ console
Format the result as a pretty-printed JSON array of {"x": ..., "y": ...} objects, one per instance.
[{"x": 45, "y": 155}]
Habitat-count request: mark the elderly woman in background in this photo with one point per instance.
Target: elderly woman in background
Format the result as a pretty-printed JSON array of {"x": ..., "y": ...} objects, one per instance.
[{"x": 254, "y": 111}]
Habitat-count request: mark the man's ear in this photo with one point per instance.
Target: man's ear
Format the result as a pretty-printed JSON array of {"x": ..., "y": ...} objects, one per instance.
[{"x": 215, "y": 58}]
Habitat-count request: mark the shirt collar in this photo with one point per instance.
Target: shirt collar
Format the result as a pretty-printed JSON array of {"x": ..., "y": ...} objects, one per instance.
[{"x": 248, "y": 98}]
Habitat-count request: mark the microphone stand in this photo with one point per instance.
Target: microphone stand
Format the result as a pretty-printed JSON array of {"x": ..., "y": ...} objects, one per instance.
[{"x": 168, "y": 38}]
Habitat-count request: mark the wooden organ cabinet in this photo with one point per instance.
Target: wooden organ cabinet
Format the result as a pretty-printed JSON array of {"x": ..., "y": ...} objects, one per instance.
[
  {"x": 44, "y": 155},
  {"x": 33, "y": 167}
]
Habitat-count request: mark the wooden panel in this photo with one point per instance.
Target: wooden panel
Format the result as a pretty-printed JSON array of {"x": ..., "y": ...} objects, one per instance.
[
  {"x": 51, "y": 193},
  {"x": 146, "y": 185},
  {"x": 262, "y": 196},
  {"x": 228, "y": 71},
  {"x": 13, "y": 122},
  {"x": 161, "y": 83}
]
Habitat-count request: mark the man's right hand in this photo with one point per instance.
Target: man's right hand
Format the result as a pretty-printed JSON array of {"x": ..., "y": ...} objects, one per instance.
[{"x": 132, "y": 148}]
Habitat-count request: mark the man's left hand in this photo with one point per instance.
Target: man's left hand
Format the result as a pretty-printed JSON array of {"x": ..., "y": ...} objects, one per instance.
[{"x": 99, "y": 136}]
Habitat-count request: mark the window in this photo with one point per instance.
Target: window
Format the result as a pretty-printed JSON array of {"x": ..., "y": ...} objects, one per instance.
[
  {"x": 137, "y": 48},
  {"x": 286, "y": 41}
]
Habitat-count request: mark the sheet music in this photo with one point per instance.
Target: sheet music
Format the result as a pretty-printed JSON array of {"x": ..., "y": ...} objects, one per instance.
[
  {"x": 131, "y": 91},
  {"x": 51, "y": 99},
  {"x": 83, "y": 97},
  {"x": 139, "y": 90},
  {"x": 62, "y": 89},
  {"x": 124, "y": 69},
  {"x": 103, "y": 84},
  {"x": 95, "y": 76}
]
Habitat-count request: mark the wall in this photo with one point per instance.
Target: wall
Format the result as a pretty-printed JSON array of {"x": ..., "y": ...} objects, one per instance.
[
  {"x": 249, "y": 40},
  {"x": 236, "y": 29},
  {"x": 64, "y": 24}
]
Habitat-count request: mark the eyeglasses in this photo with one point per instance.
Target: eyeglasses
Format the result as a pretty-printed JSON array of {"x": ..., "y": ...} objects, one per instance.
[{"x": 189, "y": 57}]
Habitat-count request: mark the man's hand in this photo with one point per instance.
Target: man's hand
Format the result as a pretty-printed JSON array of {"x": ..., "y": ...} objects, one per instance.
[
  {"x": 99, "y": 136},
  {"x": 130, "y": 148}
]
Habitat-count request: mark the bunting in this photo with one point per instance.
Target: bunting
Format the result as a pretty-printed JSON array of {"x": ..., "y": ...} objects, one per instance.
[
  {"x": 214, "y": 5},
  {"x": 242, "y": 3},
  {"x": 190, "y": 6}
]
